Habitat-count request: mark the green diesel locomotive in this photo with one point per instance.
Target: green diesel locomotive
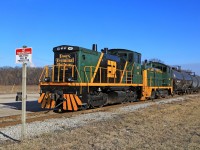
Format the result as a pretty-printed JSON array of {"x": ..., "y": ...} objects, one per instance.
[{"x": 82, "y": 78}]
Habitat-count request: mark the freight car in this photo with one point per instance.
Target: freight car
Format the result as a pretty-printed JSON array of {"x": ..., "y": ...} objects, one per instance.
[
  {"x": 82, "y": 78},
  {"x": 184, "y": 81}
]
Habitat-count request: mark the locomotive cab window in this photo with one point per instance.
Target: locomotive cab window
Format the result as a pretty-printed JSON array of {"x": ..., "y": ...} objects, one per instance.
[
  {"x": 137, "y": 58},
  {"x": 123, "y": 55},
  {"x": 130, "y": 57},
  {"x": 83, "y": 56},
  {"x": 164, "y": 69},
  {"x": 168, "y": 70}
]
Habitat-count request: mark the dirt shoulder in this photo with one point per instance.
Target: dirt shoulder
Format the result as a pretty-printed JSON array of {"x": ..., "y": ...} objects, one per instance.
[{"x": 164, "y": 126}]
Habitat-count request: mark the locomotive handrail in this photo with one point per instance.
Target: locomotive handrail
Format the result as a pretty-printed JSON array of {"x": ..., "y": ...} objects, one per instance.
[
  {"x": 85, "y": 71},
  {"x": 46, "y": 72},
  {"x": 102, "y": 68},
  {"x": 42, "y": 74},
  {"x": 121, "y": 78},
  {"x": 162, "y": 82}
]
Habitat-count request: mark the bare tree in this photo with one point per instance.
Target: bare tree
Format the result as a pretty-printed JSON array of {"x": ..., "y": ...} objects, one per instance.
[{"x": 13, "y": 75}]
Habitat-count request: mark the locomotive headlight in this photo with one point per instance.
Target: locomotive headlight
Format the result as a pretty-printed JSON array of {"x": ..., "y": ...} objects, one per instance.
[
  {"x": 47, "y": 79},
  {"x": 69, "y": 79}
]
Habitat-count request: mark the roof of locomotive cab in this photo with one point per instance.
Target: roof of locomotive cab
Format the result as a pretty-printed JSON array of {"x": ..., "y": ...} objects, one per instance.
[
  {"x": 122, "y": 50},
  {"x": 158, "y": 63},
  {"x": 67, "y": 48}
]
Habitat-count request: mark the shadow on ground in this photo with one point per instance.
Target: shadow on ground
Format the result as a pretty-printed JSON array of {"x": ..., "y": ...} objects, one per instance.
[
  {"x": 8, "y": 137},
  {"x": 31, "y": 106}
]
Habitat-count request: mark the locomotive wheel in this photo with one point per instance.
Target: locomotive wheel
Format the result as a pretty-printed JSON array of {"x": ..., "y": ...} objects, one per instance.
[
  {"x": 97, "y": 101},
  {"x": 131, "y": 97},
  {"x": 153, "y": 95},
  {"x": 84, "y": 106},
  {"x": 134, "y": 98}
]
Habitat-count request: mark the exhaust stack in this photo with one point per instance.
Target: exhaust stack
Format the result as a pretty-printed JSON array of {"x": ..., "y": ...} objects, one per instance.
[{"x": 94, "y": 47}]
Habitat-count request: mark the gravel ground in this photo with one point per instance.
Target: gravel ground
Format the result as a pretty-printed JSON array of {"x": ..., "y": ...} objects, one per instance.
[
  {"x": 151, "y": 125},
  {"x": 37, "y": 128}
]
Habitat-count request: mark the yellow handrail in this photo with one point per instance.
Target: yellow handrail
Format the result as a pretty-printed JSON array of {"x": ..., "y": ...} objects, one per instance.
[
  {"x": 91, "y": 72},
  {"x": 46, "y": 71},
  {"x": 49, "y": 71}
]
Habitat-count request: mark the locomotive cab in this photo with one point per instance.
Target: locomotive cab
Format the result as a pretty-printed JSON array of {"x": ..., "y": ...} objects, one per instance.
[{"x": 126, "y": 55}]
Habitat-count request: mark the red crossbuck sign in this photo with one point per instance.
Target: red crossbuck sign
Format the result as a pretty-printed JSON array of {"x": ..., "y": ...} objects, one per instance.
[{"x": 24, "y": 55}]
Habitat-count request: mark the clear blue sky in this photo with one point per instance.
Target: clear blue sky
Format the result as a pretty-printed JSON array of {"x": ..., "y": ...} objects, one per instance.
[{"x": 165, "y": 29}]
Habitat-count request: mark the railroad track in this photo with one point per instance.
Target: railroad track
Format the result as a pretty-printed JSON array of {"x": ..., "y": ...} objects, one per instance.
[{"x": 43, "y": 115}]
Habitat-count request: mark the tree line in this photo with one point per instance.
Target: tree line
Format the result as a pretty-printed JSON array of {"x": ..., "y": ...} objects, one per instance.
[{"x": 13, "y": 75}]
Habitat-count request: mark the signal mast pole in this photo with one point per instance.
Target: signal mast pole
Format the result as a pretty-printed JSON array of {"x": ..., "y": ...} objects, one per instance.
[
  {"x": 23, "y": 129},
  {"x": 23, "y": 101}
]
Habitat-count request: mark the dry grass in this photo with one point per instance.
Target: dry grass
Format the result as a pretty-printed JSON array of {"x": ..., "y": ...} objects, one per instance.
[
  {"x": 13, "y": 89},
  {"x": 168, "y": 126}
]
